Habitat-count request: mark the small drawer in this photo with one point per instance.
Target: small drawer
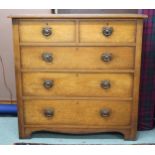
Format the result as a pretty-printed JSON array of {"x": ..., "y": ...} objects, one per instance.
[
  {"x": 77, "y": 84},
  {"x": 47, "y": 31},
  {"x": 74, "y": 112},
  {"x": 107, "y": 31},
  {"x": 77, "y": 57}
]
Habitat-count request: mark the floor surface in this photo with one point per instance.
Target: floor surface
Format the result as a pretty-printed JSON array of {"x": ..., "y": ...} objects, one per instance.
[{"x": 9, "y": 135}]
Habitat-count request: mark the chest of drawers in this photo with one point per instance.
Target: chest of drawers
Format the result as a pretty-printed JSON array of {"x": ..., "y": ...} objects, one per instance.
[{"x": 78, "y": 73}]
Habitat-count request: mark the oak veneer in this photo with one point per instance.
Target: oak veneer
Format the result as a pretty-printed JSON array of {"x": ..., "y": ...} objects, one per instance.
[
  {"x": 87, "y": 109},
  {"x": 77, "y": 84},
  {"x": 61, "y": 31},
  {"x": 77, "y": 57},
  {"x": 76, "y": 102},
  {"x": 79, "y": 16},
  {"x": 123, "y": 31}
]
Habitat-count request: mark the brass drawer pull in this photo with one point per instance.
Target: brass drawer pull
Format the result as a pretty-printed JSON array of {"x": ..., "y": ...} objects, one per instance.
[
  {"x": 106, "y": 57},
  {"x": 47, "y": 57},
  {"x": 48, "y": 84},
  {"x": 47, "y": 31},
  {"x": 49, "y": 112},
  {"x": 105, "y": 84},
  {"x": 107, "y": 31},
  {"x": 105, "y": 112}
]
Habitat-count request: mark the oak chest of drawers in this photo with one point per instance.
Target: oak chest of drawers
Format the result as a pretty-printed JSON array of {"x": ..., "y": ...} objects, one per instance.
[{"x": 78, "y": 73}]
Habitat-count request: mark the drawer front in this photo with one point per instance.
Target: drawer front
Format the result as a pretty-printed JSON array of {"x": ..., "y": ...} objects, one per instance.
[
  {"x": 107, "y": 31},
  {"x": 78, "y": 57},
  {"x": 74, "y": 112},
  {"x": 77, "y": 84},
  {"x": 47, "y": 31}
]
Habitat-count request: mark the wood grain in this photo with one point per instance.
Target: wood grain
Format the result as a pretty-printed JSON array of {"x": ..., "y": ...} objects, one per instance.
[
  {"x": 78, "y": 70},
  {"x": 77, "y": 84},
  {"x": 18, "y": 77},
  {"x": 75, "y": 98},
  {"x": 83, "y": 112},
  {"x": 123, "y": 31},
  {"x": 79, "y": 16},
  {"x": 137, "y": 78},
  {"x": 61, "y": 31},
  {"x": 38, "y": 44},
  {"x": 77, "y": 58},
  {"x": 124, "y": 130}
]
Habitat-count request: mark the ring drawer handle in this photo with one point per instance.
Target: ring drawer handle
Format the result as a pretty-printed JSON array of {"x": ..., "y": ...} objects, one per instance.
[
  {"x": 106, "y": 57},
  {"x": 49, "y": 112},
  {"x": 48, "y": 84},
  {"x": 107, "y": 31},
  {"x": 47, "y": 57},
  {"x": 105, "y": 112},
  {"x": 46, "y": 31},
  {"x": 105, "y": 84}
]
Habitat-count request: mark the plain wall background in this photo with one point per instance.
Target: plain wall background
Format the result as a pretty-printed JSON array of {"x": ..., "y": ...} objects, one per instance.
[{"x": 6, "y": 42}]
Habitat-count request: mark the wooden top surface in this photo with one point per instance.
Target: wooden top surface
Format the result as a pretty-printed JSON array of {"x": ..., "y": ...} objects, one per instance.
[{"x": 84, "y": 16}]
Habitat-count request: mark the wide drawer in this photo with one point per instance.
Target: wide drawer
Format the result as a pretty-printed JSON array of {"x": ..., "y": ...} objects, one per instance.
[
  {"x": 77, "y": 84},
  {"x": 77, "y": 57},
  {"x": 77, "y": 112},
  {"x": 107, "y": 31},
  {"x": 47, "y": 31}
]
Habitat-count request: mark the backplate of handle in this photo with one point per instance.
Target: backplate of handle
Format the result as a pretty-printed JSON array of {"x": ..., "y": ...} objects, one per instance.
[
  {"x": 107, "y": 31},
  {"x": 46, "y": 31},
  {"x": 105, "y": 112},
  {"x": 106, "y": 57},
  {"x": 49, "y": 112},
  {"x": 47, "y": 57},
  {"x": 48, "y": 84},
  {"x": 105, "y": 84}
]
